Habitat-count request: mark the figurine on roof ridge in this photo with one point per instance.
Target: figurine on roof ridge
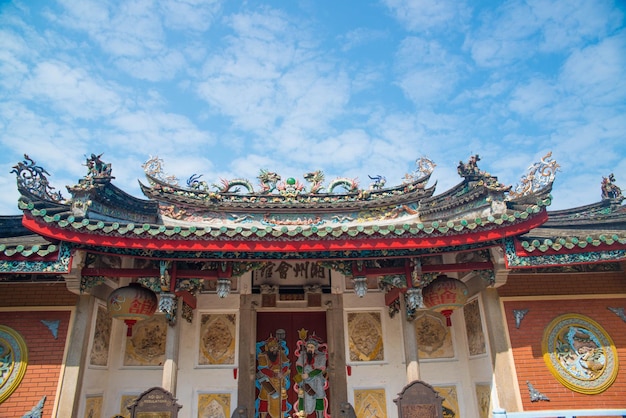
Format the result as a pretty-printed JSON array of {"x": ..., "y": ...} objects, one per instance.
[
  {"x": 97, "y": 168},
  {"x": 610, "y": 191}
]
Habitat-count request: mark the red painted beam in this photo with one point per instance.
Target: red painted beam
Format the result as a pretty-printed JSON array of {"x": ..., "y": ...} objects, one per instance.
[
  {"x": 392, "y": 295},
  {"x": 430, "y": 268},
  {"x": 180, "y": 274},
  {"x": 313, "y": 245},
  {"x": 188, "y": 298}
]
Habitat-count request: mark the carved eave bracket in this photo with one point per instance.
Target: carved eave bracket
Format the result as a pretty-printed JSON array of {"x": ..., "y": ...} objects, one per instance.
[
  {"x": 501, "y": 273},
  {"x": 74, "y": 278}
]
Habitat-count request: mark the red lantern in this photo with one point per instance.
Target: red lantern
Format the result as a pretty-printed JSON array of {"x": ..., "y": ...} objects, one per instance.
[
  {"x": 132, "y": 303},
  {"x": 445, "y": 294}
]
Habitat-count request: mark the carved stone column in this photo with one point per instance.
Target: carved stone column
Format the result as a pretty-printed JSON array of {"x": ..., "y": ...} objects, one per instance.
[
  {"x": 170, "y": 365},
  {"x": 504, "y": 374},
  {"x": 247, "y": 354},
  {"x": 410, "y": 345},
  {"x": 70, "y": 393},
  {"x": 337, "y": 374}
]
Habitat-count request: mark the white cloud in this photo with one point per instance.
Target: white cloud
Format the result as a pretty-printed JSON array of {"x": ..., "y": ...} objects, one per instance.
[
  {"x": 532, "y": 98},
  {"x": 155, "y": 68},
  {"x": 427, "y": 71},
  {"x": 596, "y": 73},
  {"x": 190, "y": 14},
  {"x": 225, "y": 89},
  {"x": 517, "y": 30},
  {"x": 426, "y": 15},
  {"x": 360, "y": 37},
  {"x": 71, "y": 90},
  {"x": 567, "y": 24},
  {"x": 155, "y": 130}
]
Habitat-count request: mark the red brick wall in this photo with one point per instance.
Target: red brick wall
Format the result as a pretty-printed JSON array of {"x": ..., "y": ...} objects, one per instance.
[
  {"x": 526, "y": 341},
  {"x": 36, "y": 294},
  {"x": 45, "y": 353}
]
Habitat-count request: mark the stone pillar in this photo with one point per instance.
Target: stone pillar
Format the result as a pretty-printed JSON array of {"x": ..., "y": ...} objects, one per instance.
[
  {"x": 170, "y": 365},
  {"x": 337, "y": 374},
  {"x": 504, "y": 373},
  {"x": 410, "y": 345},
  {"x": 71, "y": 385},
  {"x": 247, "y": 354}
]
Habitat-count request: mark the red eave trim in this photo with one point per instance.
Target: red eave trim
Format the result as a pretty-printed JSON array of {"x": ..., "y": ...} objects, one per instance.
[{"x": 378, "y": 243}]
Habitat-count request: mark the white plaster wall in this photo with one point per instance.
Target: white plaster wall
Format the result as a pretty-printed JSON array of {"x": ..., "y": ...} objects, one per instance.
[
  {"x": 389, "y": 374},
  {"x": 462, "y": 371},
  {"x": 194, "y": 379},
  {"x": 115, "y": 380}
]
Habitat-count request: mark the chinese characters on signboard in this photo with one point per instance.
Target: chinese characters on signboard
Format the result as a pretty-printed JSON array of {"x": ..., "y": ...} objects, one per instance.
[{"x": 292, "y": 274}]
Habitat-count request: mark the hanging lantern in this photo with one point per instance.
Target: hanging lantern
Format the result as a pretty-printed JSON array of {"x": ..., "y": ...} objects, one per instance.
[
  {"x": 445, "y": 294},
  {"x": 132, "y": 303}
]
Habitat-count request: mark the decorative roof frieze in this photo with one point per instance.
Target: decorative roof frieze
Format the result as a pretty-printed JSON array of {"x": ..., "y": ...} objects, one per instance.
[
  {"x": 287, "y": 195},
  {"x": 572, "y": 242},
  {"x": 521, "y": 258},
  {"x": 68, "y": 221},
  {"x": 60, "y": 265}
]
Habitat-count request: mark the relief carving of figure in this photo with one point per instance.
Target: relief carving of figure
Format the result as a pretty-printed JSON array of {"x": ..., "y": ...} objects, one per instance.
[
  {"x": 273, "y": 370},
  {"x": 311, "y": 379}
]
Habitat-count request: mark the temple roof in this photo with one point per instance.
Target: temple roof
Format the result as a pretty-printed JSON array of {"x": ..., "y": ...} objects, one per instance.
[{"x": 232, "y": 220}]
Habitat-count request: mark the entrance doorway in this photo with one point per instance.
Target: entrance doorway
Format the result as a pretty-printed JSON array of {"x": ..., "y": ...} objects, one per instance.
[{"x": 288, "y": 379}]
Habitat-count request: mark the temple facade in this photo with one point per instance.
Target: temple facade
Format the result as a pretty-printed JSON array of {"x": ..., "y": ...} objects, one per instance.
[{"x": 309, "y": 297}]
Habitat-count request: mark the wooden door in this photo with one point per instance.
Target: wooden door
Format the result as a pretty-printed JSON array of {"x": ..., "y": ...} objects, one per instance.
[{"x": 288, "y": 380}]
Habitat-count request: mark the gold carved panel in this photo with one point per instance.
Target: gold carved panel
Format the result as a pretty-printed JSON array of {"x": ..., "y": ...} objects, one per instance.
[
  {"x": 434, "y": 339},
  {"x": 370, "y": 403},
  {"x": 93, "y": 407},
  {"x": 450, "y": 401},
  {"x": 126, "y": 401},
  {"x": 483, "y": 397},
  {"x": 218, "y": 337},
  {"x": 146, "y": 347},
  {"x": 214, "y": 405},
  {"x": 365, "y": 336}
]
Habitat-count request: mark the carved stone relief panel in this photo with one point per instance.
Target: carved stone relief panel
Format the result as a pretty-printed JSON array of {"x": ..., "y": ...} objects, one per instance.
[
  {"x": 214, "y": 405},
  {"x": 99, "y": 355},
  {"x": 483, "y": 399},
  {"x": 474, "y": 328},
  {"x": 365, "y": 336},
  {"x": 580, "y": 354},
  {"x": 126, "y": 401},
  {"x": 434, "y": 339},
  {"x": 146, "y": 347},
  {"x": 450, "y": 402},
  {"x": 93, "y": 407},
  {"x": 370, "y": 403},
  {"x": 218, "y": 337}
]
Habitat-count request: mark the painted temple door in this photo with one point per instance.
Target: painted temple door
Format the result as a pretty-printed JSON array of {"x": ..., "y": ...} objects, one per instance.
[{"x": 292, "y": 356}]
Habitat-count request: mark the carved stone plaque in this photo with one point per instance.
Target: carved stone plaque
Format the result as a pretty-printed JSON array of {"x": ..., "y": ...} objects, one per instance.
[
  {"x": 154, "y": 403},
  {"x": 419, "y": 411},
  {"x": 419, "y": 400}
]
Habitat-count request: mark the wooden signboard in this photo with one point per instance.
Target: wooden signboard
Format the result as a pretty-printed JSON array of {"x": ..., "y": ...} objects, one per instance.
[{"x": 154, "y": 403}]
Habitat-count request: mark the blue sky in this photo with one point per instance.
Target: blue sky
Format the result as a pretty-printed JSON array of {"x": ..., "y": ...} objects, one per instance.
[{"x": 355, "y": 88}]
